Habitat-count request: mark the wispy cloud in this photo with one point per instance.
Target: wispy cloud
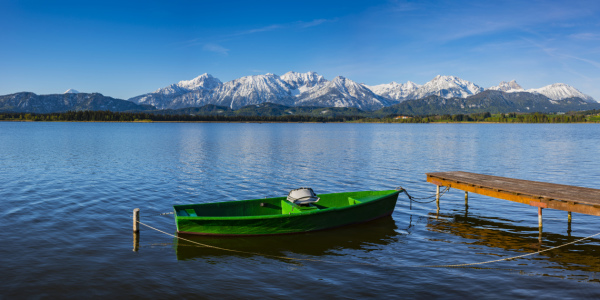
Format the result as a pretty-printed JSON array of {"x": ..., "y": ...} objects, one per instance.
[
  {"x": 557, "y": 53},
  {"x": 402, "y": 6},
  {"x": 215, "y": 47},
  {"x": 212, "y": 47},
  {"x": 313, "y": 23},
  {"x": 588, "y": 36},
  {"x": 552, "y": 52},
  {"x": 273, "y": 27},
  {"x": 189, "y": 43},
  {"x": 500, "y": 46},
  {"x": 589, "y": 61},
  {"x": 482, "y": 28},
  {"x": 494, "y": 18},
  {"x": 257, "y": 30}
]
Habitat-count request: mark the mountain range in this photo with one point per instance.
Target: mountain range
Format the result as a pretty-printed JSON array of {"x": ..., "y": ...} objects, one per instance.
[
  {"x": 311, "y": 89},
  {"x": 292, "y": 89},
  {"x": 493, "y": 101},
  {"x": 442, "y": 94},
  {"x": 74, "y": 101}
]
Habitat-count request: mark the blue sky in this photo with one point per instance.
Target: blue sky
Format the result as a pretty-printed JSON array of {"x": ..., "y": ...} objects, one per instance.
[{"x": 125, "y": 48}]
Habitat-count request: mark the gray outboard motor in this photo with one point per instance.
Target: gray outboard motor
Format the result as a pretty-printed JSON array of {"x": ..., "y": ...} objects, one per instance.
[{"x": 302, "y": 196}]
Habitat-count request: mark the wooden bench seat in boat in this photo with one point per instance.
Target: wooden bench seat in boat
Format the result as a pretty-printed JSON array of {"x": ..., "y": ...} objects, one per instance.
[{"x": 288, "y": 207}]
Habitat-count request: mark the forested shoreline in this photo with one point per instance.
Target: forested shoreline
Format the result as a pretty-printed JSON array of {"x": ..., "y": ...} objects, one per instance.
[{"x": 591, "y": 116}]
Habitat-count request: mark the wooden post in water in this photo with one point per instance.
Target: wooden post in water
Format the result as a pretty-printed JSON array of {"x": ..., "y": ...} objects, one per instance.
[
  {"x": 540, "y": 225},
  {"x": 569, "y": 225},
  {"x": 136, "y": 219},
  {"x": 437, "y": 196},
  {"x": 466, "y": 198},
  {"x": 136, "y": 241}
]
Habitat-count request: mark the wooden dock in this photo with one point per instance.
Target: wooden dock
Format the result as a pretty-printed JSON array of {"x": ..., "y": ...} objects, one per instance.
[{"x": 539, "y": 194}]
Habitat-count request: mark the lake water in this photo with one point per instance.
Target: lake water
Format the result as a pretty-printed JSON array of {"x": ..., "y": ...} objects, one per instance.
[{"x": 67, "y": 191}]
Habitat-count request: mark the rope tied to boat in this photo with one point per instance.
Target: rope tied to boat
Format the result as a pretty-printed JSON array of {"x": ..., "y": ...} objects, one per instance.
[
  {"x": 412, "y": 199},
  {"x": 423, "y": 198},
  {"x": 371, "y": 264},
  {"x": 161, "y": 214},
  {"x": 233, "y": 250},
  {"x": 509, "y": 258}
]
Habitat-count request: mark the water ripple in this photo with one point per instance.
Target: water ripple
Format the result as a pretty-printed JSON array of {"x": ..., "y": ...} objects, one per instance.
[{"x": 68, "y": 190}]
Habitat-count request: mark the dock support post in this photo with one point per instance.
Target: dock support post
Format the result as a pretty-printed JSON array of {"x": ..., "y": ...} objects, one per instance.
[
  {"x": 540, "y": 225},
  {"x": 136, "y": 219},
  {"x": 437, "y": 196},
  {"x": 569, "y": 225},
  {"x": 466, "y": 198}
]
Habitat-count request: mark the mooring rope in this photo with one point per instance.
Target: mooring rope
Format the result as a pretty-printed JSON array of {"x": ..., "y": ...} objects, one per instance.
[
  {"x": 239, "y": 251},
  {"x": 412, "y": 199},
  {"x": 164, "y": 214},
  {"x": 510, "y": 258},
  {"x": 156, "y": 215},
  {"x": 371, "y": 264}
]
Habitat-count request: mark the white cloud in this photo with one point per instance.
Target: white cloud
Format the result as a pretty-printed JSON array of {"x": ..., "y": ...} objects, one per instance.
[
  {"x": 256, "y": 30},
  {"x": 273, "y": 27},
  {"x": 589, "y": 36},
  {"x": 313, "y": 23},
  {"x": 589, "y": 61},
  {"x": 212, "y": 47}
]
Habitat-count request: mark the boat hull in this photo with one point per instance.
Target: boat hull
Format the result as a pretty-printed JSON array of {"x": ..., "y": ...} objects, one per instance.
[{"x": 361, "y": 207}]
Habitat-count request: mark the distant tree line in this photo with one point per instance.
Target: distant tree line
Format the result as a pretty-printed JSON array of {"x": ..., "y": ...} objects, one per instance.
[
  {"x": 514, "y": 118},
  {"x": 537, "y": 118},
  {"x": 109, "y": 116},
  {"x": 487, "y": 117}
]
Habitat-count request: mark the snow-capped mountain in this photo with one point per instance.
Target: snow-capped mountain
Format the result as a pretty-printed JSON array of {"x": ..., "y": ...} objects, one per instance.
[
  {"x": 396, "y": 91},
  {"x": 308, "y": 79},
  {"x": 443, "y": 86},
  {"x": 447, "y": 87},
  {"x": 491, "y": 101},
  {"x": 560, "y": 91},
  {"x": 342, "y": 92},
  {"x": 312, "y": 89},
  {"x": 162, "y": 98},
  {"x": 204, "y": 81},
  {"x": 253, "y": 89},
  {"x": 509, "y": 87},
  {"x": 292, "y": 89}
]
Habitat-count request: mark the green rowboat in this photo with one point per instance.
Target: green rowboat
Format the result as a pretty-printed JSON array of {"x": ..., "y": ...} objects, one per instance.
[{"x": 279, "y": 216}]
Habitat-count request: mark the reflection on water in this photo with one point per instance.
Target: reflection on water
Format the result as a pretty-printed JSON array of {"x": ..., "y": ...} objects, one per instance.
[
  {"x": 365, "y": 236},
  {"x": 490, "y": 233},
  {"x": 72, "y": 186}
]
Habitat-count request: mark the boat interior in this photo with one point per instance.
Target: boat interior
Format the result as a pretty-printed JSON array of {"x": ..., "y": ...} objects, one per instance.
[{"x": 276, "y": 206}]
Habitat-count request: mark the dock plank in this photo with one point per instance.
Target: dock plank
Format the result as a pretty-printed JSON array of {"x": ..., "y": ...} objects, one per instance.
[{"x": 524, "y": 188}]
